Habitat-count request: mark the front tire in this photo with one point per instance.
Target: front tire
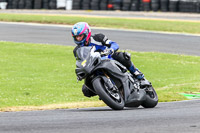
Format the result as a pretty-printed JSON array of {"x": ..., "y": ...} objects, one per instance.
[{"x": 107, "y": 96}]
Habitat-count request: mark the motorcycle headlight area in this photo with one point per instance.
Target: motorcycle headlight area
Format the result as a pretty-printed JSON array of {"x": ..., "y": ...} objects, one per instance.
[{"x": 81, "y": 75}]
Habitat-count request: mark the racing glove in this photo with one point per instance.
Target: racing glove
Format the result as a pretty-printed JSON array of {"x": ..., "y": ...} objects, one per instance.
[{"x": 108, "y": 51}]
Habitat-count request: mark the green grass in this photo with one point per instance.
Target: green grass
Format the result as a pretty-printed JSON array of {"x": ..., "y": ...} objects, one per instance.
[
  {"x": 170, "y": 74},
  {"x": 36, "y": 74},
  {"x": 122, "y": 23}
]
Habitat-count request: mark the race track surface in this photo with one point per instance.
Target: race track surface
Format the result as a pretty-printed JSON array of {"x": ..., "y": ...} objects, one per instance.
[
  {"x": 174, "y": 117},
  {"x": 134, "y": 40}
]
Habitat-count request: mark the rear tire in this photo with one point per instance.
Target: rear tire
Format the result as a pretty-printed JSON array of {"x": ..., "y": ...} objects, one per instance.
[
  {"x": 103, "y": 93},
  {"x": 151, "y": 98}
]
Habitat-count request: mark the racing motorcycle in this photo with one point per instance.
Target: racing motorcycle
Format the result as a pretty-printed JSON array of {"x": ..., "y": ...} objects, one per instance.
[{"x": 111, "y": 81}]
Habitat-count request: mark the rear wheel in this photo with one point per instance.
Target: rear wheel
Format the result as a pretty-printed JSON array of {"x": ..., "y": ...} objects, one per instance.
[
  {"x": 110, "y": 97},
  {"x": 151, "y": 98}
]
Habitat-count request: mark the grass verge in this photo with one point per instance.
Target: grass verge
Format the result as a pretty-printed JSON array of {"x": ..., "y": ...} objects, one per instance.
[
  {"x": 40, "y": 75},
  {"x": 122, "y": 23}
]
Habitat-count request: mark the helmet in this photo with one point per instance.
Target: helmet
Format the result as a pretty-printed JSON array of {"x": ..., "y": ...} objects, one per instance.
[{"x": 79, "y": 29}]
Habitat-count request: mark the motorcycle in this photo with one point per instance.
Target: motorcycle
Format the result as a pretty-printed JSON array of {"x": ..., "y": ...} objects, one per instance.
[{"x": 111, "y": 81}]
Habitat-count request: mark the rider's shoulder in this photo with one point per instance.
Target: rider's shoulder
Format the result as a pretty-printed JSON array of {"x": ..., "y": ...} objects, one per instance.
[{"x": 100, "y": 37}]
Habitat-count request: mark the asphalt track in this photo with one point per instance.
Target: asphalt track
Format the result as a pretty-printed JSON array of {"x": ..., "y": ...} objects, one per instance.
[
  {"x": 135, "y": 40},
  {"x": 174, "y": 117}
]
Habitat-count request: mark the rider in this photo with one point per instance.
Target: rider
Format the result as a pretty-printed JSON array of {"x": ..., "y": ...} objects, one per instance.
[{"x": 81, "y": 34}]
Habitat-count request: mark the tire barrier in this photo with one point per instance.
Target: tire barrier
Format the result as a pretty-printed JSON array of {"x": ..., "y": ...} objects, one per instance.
[
  {"x": 29, "y": 4},
  {"x": 124, "y": 5},
  {"x": 117, "y": 4},
  {"x": 189, "y": 6},
  {"x": 173, "y": 5},
  {"x": 103, "y": 4},
  {"x": 147, "y": 5},
  {"x": 95, "y": 4},
  {"x": 155, "y": 5},
  {"x": 15, "y": 4},
  {"x": 110, "y": 5},
  {"x": 52, "y": 4},
  {"x": 21, "y": 4},
  {"x": 135, "y": 5},
  {"x": 37, "y": 4},
  {"x": 85, "y": 4},
  {"x": 141, "y": 5},
  {"x": 76, "y": 5},
  {"x": 164, "y": 4},
  {"x": 45, "y": 4},
  {"x": 9, "y": 6}
]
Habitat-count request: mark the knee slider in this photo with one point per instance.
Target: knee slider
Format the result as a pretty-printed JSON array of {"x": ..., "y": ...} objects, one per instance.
[
  {"x": 124, "y": 58},
  {"x": 87, "y": 92},
  {"x": 127, "y": 56}
]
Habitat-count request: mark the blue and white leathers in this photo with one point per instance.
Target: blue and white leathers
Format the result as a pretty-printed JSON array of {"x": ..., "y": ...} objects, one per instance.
[{"x": 100, "y": 47}]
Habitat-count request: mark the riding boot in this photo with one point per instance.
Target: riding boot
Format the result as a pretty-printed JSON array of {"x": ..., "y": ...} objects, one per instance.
[{"x": 135, "y": 72}]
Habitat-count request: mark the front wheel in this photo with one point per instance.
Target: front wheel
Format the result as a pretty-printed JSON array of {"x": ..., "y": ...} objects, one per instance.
[
  {"x": 112, "y": 98},
  {"x": 151, "y": 98}
]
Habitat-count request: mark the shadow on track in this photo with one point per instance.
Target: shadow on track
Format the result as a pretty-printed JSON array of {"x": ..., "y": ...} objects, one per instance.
[{"x": 103, "y": 109}]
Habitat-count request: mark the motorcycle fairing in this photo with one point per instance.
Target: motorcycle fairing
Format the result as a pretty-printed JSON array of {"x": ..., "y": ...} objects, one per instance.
[{"x": 115, "y": 69}]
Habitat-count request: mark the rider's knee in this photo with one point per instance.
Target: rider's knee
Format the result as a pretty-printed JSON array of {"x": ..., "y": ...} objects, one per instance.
[
  {"x": 87, "y": 92},
  {"x": 123, "y": 57}
]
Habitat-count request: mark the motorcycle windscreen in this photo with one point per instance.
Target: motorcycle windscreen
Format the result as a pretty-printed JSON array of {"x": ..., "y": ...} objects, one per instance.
[{"x": 82, "y": 52}]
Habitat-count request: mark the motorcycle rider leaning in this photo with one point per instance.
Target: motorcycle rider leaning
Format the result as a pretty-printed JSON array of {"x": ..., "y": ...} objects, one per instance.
[{"x": 81, "y": 34}]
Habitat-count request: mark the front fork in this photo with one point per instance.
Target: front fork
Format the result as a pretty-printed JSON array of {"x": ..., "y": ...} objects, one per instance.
[{"x": 112, "y": 85}]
